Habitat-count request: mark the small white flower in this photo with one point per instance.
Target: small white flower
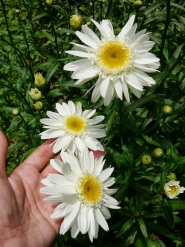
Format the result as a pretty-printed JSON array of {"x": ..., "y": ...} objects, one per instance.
[
  {"x": 172, "y": 189},
  {"x": 73, "y": 128},
  {"x": 120, "y": 62},
  {"x": 82, "y": 189}
]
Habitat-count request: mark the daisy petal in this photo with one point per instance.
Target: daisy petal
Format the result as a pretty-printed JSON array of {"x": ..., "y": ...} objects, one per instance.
[{"x": 100, "y": 219}]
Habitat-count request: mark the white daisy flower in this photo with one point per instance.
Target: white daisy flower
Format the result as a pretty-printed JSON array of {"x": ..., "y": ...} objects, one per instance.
[
  {"x": 82, "y": 189},
  {"x": 172, "y": 189},
  {"x": 120, "y": 62},
  {"x": 73, "y": 128}
]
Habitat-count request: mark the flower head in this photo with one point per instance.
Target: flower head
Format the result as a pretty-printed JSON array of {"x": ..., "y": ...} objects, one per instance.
[
  {"x": 73, "y": 128},
  {"x": 82, "y": 189},
  {"x": 120, "y": 62},
  {"x": 172, "y": 189}
]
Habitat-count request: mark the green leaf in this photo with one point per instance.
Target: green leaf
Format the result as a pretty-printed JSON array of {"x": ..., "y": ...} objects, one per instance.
[
  {"x": 140, "y": 241},
  {"x": 40, "y": 16},
  {"x": 142, "y": 227},
  {"x": 158, "y": 229},
  {"x": 52, "y": 68},
  {"x": 181, "y": 161},
  {"x": 48, "y": 36},
  {"x": 177, "y": 205},
  {"x": 111, "y": 119},
  {"x": 150, "y": 141},
  {"x": 163, "y": 177},
  {"x": 54, "y": 93},
  {"x": 174, "y": 58},
  {"x": 129, "y": 237},
  {"x": 6, "y": 108},
  {"x": 139, "y": 103},
  {"x": 177, "y": 6},
  {"x": 168, "y": 213},
  {"x": 152, "y": 8},
  {"x": 128, "y": 224}
]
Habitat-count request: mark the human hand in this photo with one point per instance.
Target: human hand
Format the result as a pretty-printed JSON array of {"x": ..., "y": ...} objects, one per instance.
[{"x": 25, "y": 217}]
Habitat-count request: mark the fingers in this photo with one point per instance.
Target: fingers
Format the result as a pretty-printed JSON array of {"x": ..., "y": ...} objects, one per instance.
[
  {"x": 49, "y": 169},
  {"x": 41, "y": 156},
  {"x": 98, "y": 154},
  {"x": 3, "y": 152}
]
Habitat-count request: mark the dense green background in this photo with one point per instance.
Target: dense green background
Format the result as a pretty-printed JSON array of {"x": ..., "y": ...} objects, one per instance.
[{"x": 33, "y": 38}]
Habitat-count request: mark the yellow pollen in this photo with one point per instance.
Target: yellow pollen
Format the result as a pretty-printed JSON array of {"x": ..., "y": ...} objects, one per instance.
[
  {"x": 174, "y": 189},
  {"x": 75, "y": 124},
  {"x": 113, "y": 55},
  {"x": 90, "y": 189}
]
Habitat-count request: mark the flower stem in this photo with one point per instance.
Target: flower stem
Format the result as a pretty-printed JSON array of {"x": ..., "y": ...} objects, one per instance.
[{"x": 165, "y": 32}]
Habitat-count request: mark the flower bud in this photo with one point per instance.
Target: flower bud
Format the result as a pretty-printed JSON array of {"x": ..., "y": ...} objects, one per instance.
[
  {"x": 76, "y": 22},
  {"x": 146, "y": 159},
  {"x": 49, "y": 1},
  {"x": 158, "y": 152},
  {"x": 15, "y": 111},
  {"x": 35, "y": 94},
  {"x": 161, "y": 27},
  {"x": 172, "y": 176},
  {"x": 167, "y": 109},
  {"x": 138, "y": 3},
  {"x": 40, "y": 81},
  {"x": 38, "y": 105}
]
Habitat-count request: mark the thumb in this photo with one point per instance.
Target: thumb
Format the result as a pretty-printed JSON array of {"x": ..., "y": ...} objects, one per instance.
[{"x": 3, "y": 151}]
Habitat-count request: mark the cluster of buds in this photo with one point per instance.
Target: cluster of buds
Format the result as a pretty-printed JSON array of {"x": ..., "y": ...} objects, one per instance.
[{"x": 35, "y": 93}]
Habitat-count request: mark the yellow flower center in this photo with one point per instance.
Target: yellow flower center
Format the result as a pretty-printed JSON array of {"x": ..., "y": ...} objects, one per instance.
[
  {"x": 75, "y": 124},
  {"x": 114, "y": 57},
  {"x": 90, "y": 189},
  {"x": 174, "y": 189}
]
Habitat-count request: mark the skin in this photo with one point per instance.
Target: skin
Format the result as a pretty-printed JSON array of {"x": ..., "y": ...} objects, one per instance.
[{"x": 25, "y": 217}]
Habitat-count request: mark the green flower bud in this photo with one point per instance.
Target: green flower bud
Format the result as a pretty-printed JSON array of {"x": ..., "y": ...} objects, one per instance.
[
  {"x": 161, "y": 27},
  {"x": 167, "y": 109},
  {"x": 146, "y": 159},
  {"x": 35, "y": 94},
  {"x": 38, "y": 105},
  {"x": 76, "y": 22},
  {"x": 15, "y": 111},
  {"x": 138, "y": 3},
  {"x": 158, "y": 152},
  {"x": 172, "y": 176},
  {"x": 40, "y": 81},
  {"x": 49, "y": 1},
  {"x": 178, "y": 28}
]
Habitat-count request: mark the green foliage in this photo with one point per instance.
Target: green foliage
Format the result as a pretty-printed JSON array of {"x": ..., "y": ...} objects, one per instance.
[{"x": 33, "y": 38}]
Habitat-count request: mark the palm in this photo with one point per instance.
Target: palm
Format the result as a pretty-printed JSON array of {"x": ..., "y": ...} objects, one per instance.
[{"x": 25, "y": 217}]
